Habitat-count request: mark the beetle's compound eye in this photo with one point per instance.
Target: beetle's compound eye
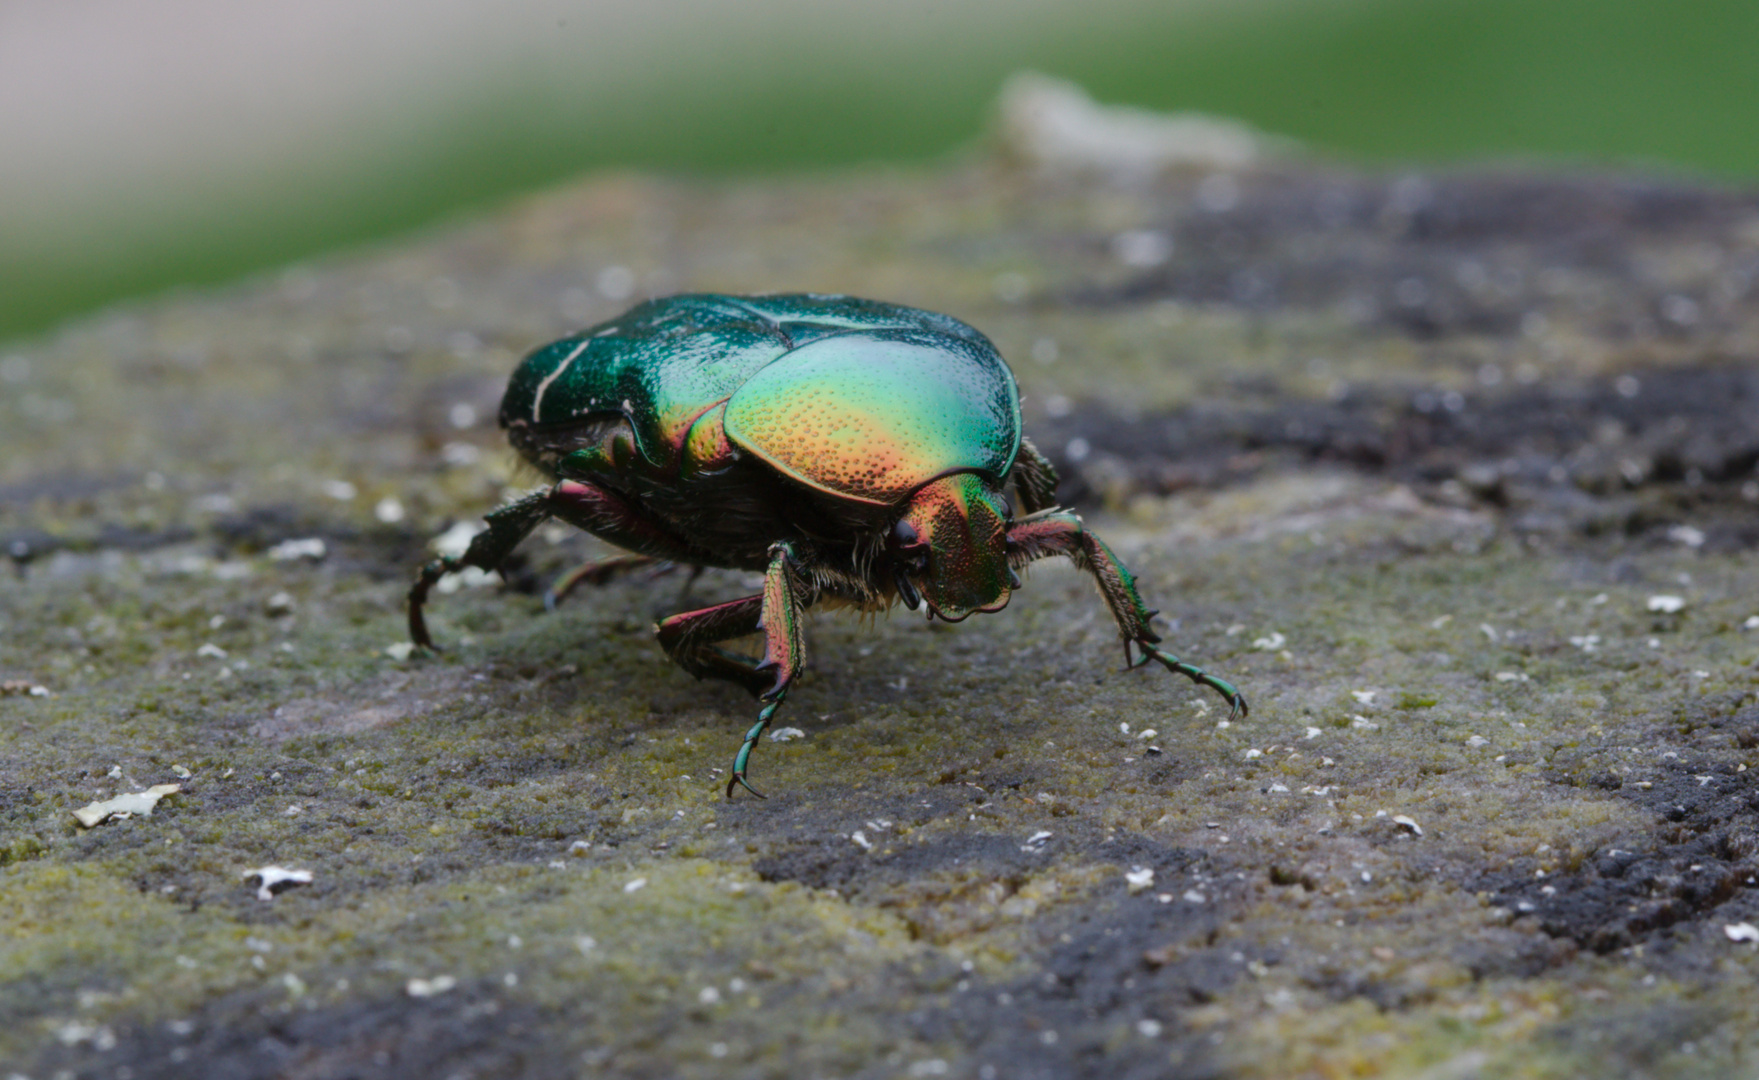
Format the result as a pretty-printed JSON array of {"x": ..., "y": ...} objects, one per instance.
[
  {"x": 904, "y": 535},
  {"x": 1007, "y": 508}
]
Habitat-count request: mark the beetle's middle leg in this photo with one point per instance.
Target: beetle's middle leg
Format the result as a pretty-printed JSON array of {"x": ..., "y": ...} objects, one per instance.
[
  {"x": 1058, "y": 532},
  {"x": 690, "y": 638}
]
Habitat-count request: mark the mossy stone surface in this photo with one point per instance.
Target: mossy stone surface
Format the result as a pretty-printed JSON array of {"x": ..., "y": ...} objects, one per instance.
[{"x": 1452, "y": 474}]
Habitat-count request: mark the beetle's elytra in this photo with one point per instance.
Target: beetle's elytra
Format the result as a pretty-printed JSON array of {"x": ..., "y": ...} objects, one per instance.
[{"x": 846, "y": 448}]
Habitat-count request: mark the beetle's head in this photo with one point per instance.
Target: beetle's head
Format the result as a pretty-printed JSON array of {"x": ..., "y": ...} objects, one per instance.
[{"x": 949, "y": 549}]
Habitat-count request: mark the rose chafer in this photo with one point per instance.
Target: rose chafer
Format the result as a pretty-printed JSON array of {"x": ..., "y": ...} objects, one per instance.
[{"x": 848, "y": 449}]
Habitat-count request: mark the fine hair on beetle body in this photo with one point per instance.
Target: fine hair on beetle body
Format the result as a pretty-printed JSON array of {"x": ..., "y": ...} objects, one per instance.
[{"x": 856, "y": 453}]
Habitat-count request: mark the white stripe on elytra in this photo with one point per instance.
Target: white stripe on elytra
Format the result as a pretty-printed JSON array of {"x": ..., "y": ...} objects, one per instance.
[{"x": 538, "y": 401}]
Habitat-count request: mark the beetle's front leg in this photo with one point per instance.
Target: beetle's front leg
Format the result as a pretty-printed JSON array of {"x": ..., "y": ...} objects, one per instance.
[
  {"x": 487, "y": 551},
  {"x": 783, "y": 652},
  {"x": 1059, "y": 532}
]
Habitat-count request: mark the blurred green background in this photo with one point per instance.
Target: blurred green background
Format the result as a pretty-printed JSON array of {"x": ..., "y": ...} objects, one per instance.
[{"x": 189, "y": 141}]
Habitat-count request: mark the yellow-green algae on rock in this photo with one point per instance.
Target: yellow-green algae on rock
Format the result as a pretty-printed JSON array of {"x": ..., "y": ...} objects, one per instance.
[{"x": 1406, "y": 457}]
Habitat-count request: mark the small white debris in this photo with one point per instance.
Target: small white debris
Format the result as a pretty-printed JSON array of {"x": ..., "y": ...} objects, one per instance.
[
  {"x": 1148, "y": 1029},
  {"x": 1192, "y": 896},
  {"x": 1475, "y": 741},
  {"x": 1011, "y": 286},
  {"x": 708, "y": 995},
  {"x": 211, "y": 650},
  {"x": 1138, "y": 878},
  {"x": 786, "y": 734},
  {"x": 1036, "y": 841},
  {"x": 454, "y": 542},
  {"x": 1511, "y": 676},
  {"x": 1270, "y": 642},
  {"x": 180, "y": 772},
  {"x": 1440, "y": 621},
  {"x": 1362, "y": 723},
  {"x": 311, "y": 547},
  {"x": 1408, "y": 824},
  {"x": 1124, "y": 728},
  {"x": 1487, "y": 630},
  {"x": 460, "y": 454},
  {"x": 1666, "y": 603},
  {"x": 930, "y": 1067},
  {"x": 273, "y": 879},
  {"x": 1253, "y": 753},
  {"x": 279, "y": 604},
  {"x": 1312, "y": 733},
  {"x": 426, "y": 988},
  {"x": 1752, "y": 623},
  {"x": 1586, "y": 642},
  {"x": 340, "y": 490},
  {"x": 1686, "y": 535},
  {"x": 123, "y": 807},
  {"x": 1741, "y": 932},
  {"x": 1142, "y": 249},
  {"x": 1366, "y": 697},
  {"x": 579, "y": 848},
  {"x": 1276, "y": 789},
  {"x": 470, "y": 577},
  {"x": 400, "y": 650},
  {"x": 861, "y": 840},
  {"x": 1147, "y": 733},
  {"x": 23, "y": 688},
  {"x": 635, "y": 885},
  {"x": 388, "y": 510},
  {"x": 586, "y": 943}
]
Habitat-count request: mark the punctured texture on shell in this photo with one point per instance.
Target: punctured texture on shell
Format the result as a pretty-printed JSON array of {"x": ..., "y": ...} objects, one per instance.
[
  {"x": 875, "y": 415},
  {"x": 666, "y": 362}
]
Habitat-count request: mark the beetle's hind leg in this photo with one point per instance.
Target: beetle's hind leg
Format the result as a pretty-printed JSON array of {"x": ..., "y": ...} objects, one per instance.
[
  {"x": 691, "y": 640},
  {"x": 487, "y": 551},
  {"x": 1059, "y": 532},
  {"x": 601, "y": 572}
]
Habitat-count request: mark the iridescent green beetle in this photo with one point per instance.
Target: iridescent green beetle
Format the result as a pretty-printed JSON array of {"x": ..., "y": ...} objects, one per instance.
[{"x": 850, "y": 450}]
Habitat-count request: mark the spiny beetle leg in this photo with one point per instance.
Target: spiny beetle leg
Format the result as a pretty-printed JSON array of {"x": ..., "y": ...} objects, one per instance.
[
  {"x": 487, "y": 551},
  {"x": 783, "y": 651},
  {"x": 599, "y": 572},
  {"x": 1058, "y": 532}
]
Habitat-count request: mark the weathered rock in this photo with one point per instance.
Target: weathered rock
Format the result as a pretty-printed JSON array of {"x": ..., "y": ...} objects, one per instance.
[{"x": 1405, "y": 456}]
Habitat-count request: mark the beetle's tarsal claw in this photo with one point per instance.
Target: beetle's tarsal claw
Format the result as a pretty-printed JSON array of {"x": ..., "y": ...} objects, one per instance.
[
  {"x": 739, "y": 781},
  {"x": 1014, "y": 581},
  {"x": 743, "y": 757},
  {"x": 1236, "y": 701}
]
